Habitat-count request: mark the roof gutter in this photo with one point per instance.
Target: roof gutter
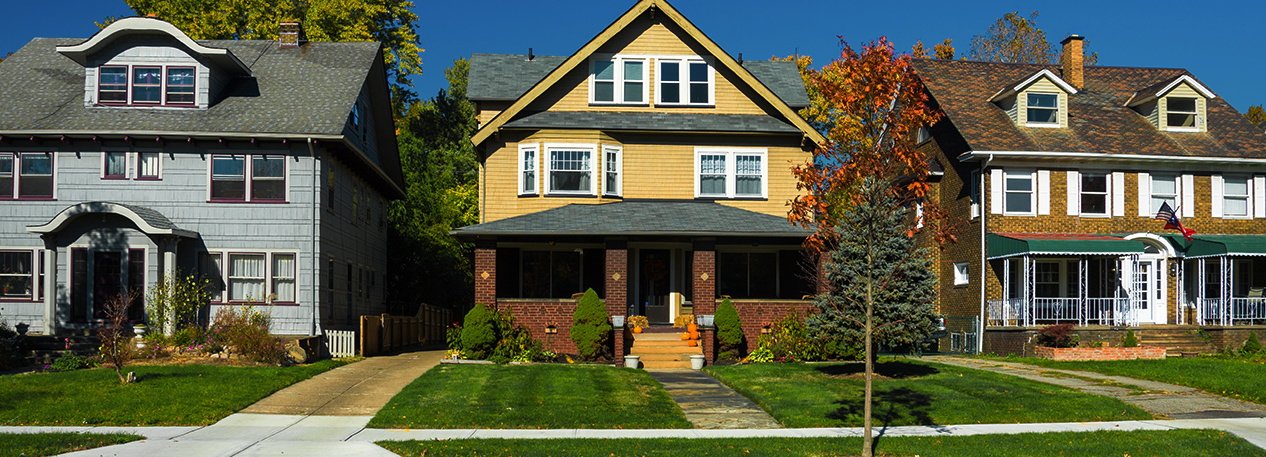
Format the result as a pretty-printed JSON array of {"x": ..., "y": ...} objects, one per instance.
[{"x": 971, "y": 156}]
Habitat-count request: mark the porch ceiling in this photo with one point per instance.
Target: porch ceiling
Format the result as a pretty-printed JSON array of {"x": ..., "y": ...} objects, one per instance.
[{"x": 1003, "y": 245}]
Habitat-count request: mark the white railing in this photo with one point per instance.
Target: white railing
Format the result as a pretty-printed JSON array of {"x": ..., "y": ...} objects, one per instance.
[
  {"x": 342, "y": 343},
  {"x": 1046, "y": 311},
  {"x": 1238, "y": 310}
]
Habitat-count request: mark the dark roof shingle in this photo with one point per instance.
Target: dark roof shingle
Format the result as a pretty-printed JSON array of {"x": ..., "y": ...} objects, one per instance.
[{"x": 683, "y": 218}]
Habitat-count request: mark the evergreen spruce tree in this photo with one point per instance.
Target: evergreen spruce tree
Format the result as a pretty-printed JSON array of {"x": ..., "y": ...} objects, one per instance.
[{"x": 591, "y": 326}]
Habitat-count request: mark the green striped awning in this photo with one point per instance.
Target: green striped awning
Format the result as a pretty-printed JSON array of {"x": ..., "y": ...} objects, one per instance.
[
  {"x": 1219, "y": 245},
  {"x": 1003, "y": 245}
]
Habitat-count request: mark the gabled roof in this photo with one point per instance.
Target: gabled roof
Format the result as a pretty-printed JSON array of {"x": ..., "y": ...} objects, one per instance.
[
  {"x": 672, "y": 217},
  {"x": 1161, "y": 88},
  {"x": 662, "y": 7},
  {"x": 1099, "y": 122},
  {"x": 1014, "y": 88}
]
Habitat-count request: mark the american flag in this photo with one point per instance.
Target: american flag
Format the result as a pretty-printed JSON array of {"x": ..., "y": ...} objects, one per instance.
[{"x": 1170, "y": 217}]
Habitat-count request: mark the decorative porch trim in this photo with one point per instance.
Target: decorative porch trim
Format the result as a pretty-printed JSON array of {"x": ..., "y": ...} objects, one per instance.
[{"x": 147, "y": 220}]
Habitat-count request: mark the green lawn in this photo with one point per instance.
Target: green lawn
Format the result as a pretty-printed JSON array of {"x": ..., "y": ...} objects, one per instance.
[
  {"x": 40, "y": 444},
  {"x": 1194, "y": 443},
  {"x": 531, "y": 396},
  {"x": 1236, "y": 378},
  {"x": 163, "y": 395},
  {"x": 917, "y": 393}
]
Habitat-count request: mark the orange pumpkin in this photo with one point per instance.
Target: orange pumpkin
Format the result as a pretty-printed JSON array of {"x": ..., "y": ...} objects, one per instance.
[
  {"x": 692, "y": 343},
  {"x": 685, "y": 336},
  {"x": 637, "y": 329},
  {"x": 692, "y": 327},
  {"x": 694, "y": 335}
]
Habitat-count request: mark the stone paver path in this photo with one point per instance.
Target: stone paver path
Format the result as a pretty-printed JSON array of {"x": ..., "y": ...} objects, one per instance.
[
  {"x": 709, "y": 404},
  {"x": 1168, "y": 400},
  {"x": 358, "y": 389}
]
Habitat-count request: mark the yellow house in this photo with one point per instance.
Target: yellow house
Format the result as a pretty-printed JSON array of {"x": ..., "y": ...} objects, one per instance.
[{"x": 651, "y": 166}]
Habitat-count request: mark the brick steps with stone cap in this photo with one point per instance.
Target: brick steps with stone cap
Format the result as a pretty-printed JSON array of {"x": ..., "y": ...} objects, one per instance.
[{"x": 663, "y": 350}]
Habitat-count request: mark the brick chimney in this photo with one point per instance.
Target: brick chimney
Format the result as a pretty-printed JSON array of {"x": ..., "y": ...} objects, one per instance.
[
  {"x": 1073, "y": 61},
  {"x": 290, "y": 34}
]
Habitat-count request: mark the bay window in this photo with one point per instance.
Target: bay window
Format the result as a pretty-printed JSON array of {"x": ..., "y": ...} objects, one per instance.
[
  {"x": 731, "y": 173},
  {"x": 230, "y": 174},
  {"x": 571, "y": 169}
]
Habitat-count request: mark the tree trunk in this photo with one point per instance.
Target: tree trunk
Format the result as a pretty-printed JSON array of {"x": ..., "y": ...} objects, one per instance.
[{"x": 867, "y": 439}]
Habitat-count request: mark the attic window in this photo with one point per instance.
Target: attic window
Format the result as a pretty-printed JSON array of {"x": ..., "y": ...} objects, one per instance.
[
  {"x": 1181, "y": 114},
  {"x": 146, "y": 85},
  {"x": 1043, "y": 109},
  {"x": 684, "y": 82},
  {"x": 618, "y": 80}
]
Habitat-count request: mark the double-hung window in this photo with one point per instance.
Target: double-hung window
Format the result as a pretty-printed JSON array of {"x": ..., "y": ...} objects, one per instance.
[
  {"x": 180, "y": 85},
  {"x": 1019, "y": 194},
  {"x": 257, "y": 277},
  {"x": 571, "y": 169},
  {"x": 685, "y": 82},
  {"x": 1043, "y": 110},
  {"x": 147, "y": 85},
  {"x": 1235, "y": 196},
  {"x": 1164, "y": 190},
  {"x": 611, "y": 184},
  {"x": 1180, "y": 114},
  {"x": 231, "y": 172},
  {"x": 15, "y": 275},
  {"x": 283, "y": 278},
  {"x": 618, "y": 80},
  {"x": 246, "y": 277},
  {"x": 115, "y": 165},
  {"x": 528, "y": 160},
  {"x": 147, "y": 166},
  {"x": 1094, "y": 194},
  {"x": 26, "y": 175},
  {"x": 731, "y": 173},
  {"x": 112, "y": 85}
]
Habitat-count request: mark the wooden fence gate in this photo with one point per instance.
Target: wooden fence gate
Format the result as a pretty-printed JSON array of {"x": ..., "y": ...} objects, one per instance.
[{"x": 380, "y": 334}]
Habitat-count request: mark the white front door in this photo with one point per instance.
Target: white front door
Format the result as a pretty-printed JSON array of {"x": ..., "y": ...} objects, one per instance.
[{"x": 1150, "y": 285}]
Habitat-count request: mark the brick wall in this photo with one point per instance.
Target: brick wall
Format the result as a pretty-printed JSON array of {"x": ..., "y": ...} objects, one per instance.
[
  {"x": 535, "y": 315},
  {"x": 755, "y": 314},
  {"x": 486, "y": 274},
  {"x": 1081, "y": 354},
  {"x": 705, "y": 263},
  {"x": 1233, "y": 338},
  {"x": 617, "y": 279}
]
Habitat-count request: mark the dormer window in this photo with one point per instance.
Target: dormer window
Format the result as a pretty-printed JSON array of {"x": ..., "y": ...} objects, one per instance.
[
  {"x": 1181, "y": 114},
  {"x": 684, "y": 82},
  {"x": 1177, "y": 104},
  {"x": 145, "y": 85},
  {"x": 1043, "y": 109}
]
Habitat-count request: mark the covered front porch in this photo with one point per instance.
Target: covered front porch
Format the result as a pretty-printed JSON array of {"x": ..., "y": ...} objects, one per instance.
[{"x": 1223, "y": 279}]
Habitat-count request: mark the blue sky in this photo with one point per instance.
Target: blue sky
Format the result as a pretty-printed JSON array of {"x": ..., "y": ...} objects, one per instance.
[{"x": 1213, "y": 40}]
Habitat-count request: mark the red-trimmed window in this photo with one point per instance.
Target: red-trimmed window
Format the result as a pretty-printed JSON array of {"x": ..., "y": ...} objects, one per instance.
[
  {"x": 147, "y": 85},
  {"x": 15, "y": 275},
  {"x": 147, "y": 165},
  {"x": 7, "y": 175},
  {"x": 228, "y": 177},
  {"x": 180, "y": 85},
  {"x": 283, "y": 278},
  {"x": 265, "y": 173},
  {"x": 268, "y": 178},
  {"x": 112, "y": 85},
  {"x": 247, "y": 273}
]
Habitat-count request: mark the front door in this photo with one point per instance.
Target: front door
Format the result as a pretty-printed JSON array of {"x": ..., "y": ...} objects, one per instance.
[
  {"x": 107, "y": 280},
  {"x": 653, "y": 283},
  {"x": 1150, "y": 285}
]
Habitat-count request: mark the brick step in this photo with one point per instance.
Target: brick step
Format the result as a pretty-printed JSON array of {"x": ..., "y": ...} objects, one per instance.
[
  {"x": 666, "y": 350},
  {"x": 664, "y": 357},
  {"x": 661, "y": 329},
  {"x": 654, "y": 364}
]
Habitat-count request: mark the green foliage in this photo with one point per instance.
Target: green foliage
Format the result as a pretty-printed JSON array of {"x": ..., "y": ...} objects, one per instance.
[
  {"x": 117, "y": 347},
  {"x": 1056, "y": 336},
  {"x": 591, "y": 326},
  {"x": 441, "y": 194},
  {"x": 58, "y": 443},
  {"x": 1130, "y": 341},
  {"x": 479, "y": 333},
  {"x": 453, "y": 336},
  {"x": 1252, "y": 346},
  {"x": 789, "y": 340},
  {"x": 1256, "y": 115},
  {"x": 71, "y": 362},
  {"x": 516, "y": 343},
  {"x": 876, "y": 261},
  {"x": 172, "y": 303},
  {"x": 12, "y": 348},
  {"x": 244, "y": 331},
  {"x": 729, "y": 327}
]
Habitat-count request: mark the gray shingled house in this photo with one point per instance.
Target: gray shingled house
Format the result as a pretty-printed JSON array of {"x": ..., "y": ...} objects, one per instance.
[{"x": 265, "y": 166}]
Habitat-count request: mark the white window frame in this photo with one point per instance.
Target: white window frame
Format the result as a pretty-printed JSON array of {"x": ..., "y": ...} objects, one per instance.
[
  {"x": 683, "y": 82},
  {"x": 1107, "y": 193},
  {"x": 962, "y": 274},
  {"x": 613, "y": 167},
  {"x": 535, "y": 163},
  {"x": 731, "y": 168},
  {"x": 1247, "y": 196},
  {"x": 1195, "y": 114},
  {"x": 1032, "y": 191},
  {"x": 1028, "y": 121},
  {"x": 618, "y": 80},
  {"x": 224, "y": 257},
  {"x": 1152, "y": 195},
  {"x": 548, "y": 180}
]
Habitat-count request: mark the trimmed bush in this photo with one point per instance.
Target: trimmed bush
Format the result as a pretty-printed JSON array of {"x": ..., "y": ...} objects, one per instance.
[
  {"x": 591, "y": 326},
  {"x": 479, "y": 332},
  {"x": 729, "y": 328},
  {"x": 1130, "y": 341},
  {"x": 1252, "y": 346}
]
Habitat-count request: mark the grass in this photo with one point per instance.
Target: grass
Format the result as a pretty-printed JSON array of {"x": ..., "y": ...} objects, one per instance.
[
  {"x": 1196, "y": 443},
  {"x": 163, "y": 394},
  {"x": 41, "y": 444},
  {"x": 917, "y": 393},
  {"x": 531, "y": 396},
  {"x": 1238, "y": 378}
]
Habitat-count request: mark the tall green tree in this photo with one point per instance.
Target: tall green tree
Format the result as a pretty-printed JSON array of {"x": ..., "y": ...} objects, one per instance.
[
  {"x": 440, "y": 171},
  {"x": 390, "y": 22},
  {"x": 1016, "y": 39},
  {"x": 1256, "y": 115}
]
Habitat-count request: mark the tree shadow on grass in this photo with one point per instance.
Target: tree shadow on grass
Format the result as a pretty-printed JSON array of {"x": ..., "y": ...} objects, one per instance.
[
  {"x": 892, "y": 407},
  {"x": 890, "y": 370}
]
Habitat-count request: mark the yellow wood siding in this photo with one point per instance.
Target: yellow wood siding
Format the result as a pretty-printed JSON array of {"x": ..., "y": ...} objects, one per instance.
[
  {"x": 490, "y": 109},
  {"x": 655, "y": 167},
  {"x": 652, "y": 37}
]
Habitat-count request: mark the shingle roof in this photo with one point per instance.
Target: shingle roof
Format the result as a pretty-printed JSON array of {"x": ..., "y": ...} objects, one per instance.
[
  {"x": 308, "y": 90},
  {"x": 151, "y": 216},
  {"x": 1099, "y": 121},
  {"x": 652, "y": 121},
  {"x": 681, "y": 218},
  {"x": 505, "y": 77}
]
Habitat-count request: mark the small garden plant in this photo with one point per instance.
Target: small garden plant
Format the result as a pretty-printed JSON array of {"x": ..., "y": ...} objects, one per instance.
[
  {"x": 1252, "y": 346},
  {"x": 1130, "y": 341},
  {"x": 1056, "y": 336},
  {"x": 509, "y": 341}
]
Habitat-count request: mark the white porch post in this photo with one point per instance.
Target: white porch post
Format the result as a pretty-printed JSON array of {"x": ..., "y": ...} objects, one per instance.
[
  {"x": 50, "y": 285},
  {"x": 1030, "y": 320},
  {"x": 169, "y": 257},
  {"x": 1082, "y": 307},
  {"x": 1200, "y": 291},
  {"x": 1225, "y": 289}
]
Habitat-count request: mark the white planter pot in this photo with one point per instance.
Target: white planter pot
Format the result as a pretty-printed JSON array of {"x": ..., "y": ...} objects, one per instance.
[
  {"x": 631, "y": 361},
  {"x": 696, "y": 362}
]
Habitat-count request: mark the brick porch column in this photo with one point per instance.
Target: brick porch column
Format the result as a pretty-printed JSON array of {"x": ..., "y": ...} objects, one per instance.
[
  {"x": 704, "y": 291},
  {"x": 617, "y": 290},
  {"x": 486, "y": 273}
]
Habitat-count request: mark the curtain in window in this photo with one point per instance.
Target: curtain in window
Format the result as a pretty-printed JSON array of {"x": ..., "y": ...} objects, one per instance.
[
  {"x": 116, "y": 163},
  {"x": 712, "y": 174},
  {"x": 284, "y": 277},
  {"x": 113, "y": 85},
  {"x": 570, "y": 171},
  {"x": 246, "y": 277},
  {"x": 633, "y": 82},
  {"x": 747, "y": 181}
]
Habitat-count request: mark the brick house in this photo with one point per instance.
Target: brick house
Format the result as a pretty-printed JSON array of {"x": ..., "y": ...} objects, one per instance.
[
  {"x": 1053, "y": 175},
  {"x": 651, "y": 166}
]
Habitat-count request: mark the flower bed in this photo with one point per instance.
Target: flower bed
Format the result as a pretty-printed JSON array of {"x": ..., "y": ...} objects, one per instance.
[{"x": 1106, "y": 353}]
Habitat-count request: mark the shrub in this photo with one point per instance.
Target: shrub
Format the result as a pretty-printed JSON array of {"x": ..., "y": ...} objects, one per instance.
[
  {"x": 172, "y": 303},
  {"x": 1252, "y": 346},
  {"x": 454, "y": 336},
  {"x": 729, "y": 328},
  {"x": 591, "y": 326},
  {"x": 841, "y": 349},
  {"x": 479, "y": 333},
  {"x": 245, "y": 330},
  {"x": 1130, "y": 341},
  {"x": 117, "y": 346},
  {"x": 1056, "y": 336},
  {"x": 12, "y": 348},
  {"x": 71, "y": 362},
  {"x": 789, "y": 341}
]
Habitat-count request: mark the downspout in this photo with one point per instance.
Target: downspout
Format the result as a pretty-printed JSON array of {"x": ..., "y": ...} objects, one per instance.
[
  {"x": 980, "y": 331},
  {"x": 316, "y": 261}
]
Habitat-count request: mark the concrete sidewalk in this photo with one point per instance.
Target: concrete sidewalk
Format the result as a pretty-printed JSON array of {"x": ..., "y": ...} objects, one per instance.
[{"x": 358, "y": 389}]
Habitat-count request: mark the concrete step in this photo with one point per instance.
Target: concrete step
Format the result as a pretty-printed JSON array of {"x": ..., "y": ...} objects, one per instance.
[
  {"x": 675, "y": 336},
  {"x": 666, "y": 350},
  {"x": 658, "y": 343},
  {"x": 664, "y": 357},
  {"x": 654, "y": 364}
]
